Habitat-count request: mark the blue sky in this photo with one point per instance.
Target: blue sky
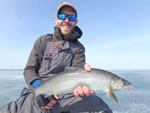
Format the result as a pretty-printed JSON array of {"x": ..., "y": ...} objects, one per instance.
[{"x": 116, "y": 33}]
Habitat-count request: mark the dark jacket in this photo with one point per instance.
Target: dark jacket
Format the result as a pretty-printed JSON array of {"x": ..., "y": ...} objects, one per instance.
[{"x": 36, "y": 55}]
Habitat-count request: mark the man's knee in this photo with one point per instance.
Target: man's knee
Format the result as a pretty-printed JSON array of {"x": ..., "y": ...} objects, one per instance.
[{"x": 87, "y": 104}]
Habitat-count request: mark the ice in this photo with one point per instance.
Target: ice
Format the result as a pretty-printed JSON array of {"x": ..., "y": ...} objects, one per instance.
[{"x": 137, "y": 100}]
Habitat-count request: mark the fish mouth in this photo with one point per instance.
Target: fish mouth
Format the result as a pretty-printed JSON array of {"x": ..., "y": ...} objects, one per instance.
[{"x": 127, "y": 87}]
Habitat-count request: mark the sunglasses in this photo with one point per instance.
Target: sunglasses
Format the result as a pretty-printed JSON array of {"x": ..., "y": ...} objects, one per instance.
[{"x": 63, "y": 16}]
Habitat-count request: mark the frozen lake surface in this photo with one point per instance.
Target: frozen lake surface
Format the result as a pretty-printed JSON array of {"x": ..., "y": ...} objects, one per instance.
[{"x": 137, "y": 100}]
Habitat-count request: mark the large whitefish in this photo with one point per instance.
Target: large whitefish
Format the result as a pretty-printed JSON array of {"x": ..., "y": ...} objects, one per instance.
[{"x": 97, "y": 80}]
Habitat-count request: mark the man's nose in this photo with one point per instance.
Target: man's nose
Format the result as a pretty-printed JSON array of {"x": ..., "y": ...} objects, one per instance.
[{"x": 67, "y": 19}]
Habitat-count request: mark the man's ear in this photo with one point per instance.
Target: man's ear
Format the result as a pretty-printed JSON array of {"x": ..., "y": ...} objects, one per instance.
[
  {"x": 76, "y": 22},
  {"x": 56, "y": 20}
]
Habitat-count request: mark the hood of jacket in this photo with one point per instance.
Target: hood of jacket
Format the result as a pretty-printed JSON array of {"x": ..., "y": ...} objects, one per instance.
[{"x": 75, "y": 34}]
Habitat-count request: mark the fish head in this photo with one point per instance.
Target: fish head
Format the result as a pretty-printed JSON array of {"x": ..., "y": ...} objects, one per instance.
[{"x": 121, "y": 84}]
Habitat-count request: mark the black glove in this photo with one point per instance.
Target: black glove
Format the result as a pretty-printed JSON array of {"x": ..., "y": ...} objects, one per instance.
[{"x": 42, "y": 100}]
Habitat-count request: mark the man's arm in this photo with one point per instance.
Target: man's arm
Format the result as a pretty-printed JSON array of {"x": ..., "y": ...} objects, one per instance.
[{"x": 34, "y": 60}]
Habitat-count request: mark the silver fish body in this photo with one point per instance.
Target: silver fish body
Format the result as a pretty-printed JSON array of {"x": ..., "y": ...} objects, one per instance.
[{"x": 97, "y": 80}]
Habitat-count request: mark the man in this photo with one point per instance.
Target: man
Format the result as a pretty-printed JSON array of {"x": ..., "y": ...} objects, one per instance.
[{"x": 51, "y": 54}]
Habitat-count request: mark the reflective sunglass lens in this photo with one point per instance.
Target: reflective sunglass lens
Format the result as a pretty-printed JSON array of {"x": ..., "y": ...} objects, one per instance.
[
  {"x": 62, "y": 16},
  {"x": 72, "y": 17}
]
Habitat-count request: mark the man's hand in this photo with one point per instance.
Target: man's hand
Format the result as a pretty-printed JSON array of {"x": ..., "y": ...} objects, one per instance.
[
  {"x": 51, "y": 103},
  {"x": 87, "y": 67},
  {"x": 82, "y": 91}
]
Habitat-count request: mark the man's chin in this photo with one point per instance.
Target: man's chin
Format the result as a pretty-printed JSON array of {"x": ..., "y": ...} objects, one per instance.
[{"x": 66, "y": 33}]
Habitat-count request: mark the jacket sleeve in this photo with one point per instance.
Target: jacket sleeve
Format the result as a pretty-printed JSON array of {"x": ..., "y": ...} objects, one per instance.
[
  {"x": 79, "y": 57},
  {"x": 34, "y": 60}
]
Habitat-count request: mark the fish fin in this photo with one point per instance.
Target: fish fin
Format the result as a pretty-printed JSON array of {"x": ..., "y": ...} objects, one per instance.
[
  {"x": 110, "y": 93},
  {"x": 34, "y": 93},
  {"x": 46, "y": 95}
]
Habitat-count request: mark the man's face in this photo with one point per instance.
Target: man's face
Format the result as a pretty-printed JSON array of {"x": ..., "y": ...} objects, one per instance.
[{"x": 66, "y": 26}]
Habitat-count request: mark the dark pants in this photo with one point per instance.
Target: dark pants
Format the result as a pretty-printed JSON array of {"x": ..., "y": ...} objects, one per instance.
[{"x": 67, "y": 103}]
